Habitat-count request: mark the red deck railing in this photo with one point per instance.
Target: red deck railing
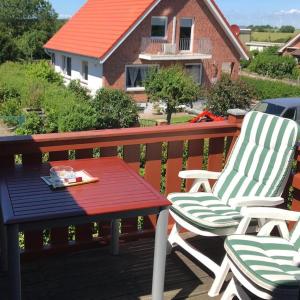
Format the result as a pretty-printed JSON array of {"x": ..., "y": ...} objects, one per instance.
[{"x": 157, "y": 153}]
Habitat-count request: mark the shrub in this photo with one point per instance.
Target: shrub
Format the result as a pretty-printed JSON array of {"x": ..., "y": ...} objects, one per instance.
[
  {"x": 115, "y": 109},
  {"x": 80, "y": 91},
  {"x": 8, "y": 48},
  {"x": 227, "y": 94},
  {"x": 269, "y": 64},
  {"x": 266, "y": 89},
  {"x": 172, "y": 86},
  {"x": 77, "y": 118},
  {"x": 10, "y": 110},
  {"x": 42, "y": 70},
  {"x": 8, "y": 93},
  {"x": 33, "y": 124}
]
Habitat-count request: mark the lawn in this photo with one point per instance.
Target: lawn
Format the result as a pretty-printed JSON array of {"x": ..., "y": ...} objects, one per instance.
[{"x": 279, "y": 37}]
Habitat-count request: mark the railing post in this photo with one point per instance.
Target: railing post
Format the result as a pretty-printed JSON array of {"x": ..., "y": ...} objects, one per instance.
[{"x": 236, "y": 115}]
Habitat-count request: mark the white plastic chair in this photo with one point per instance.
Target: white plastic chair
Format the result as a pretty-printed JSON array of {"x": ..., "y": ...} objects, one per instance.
[{"x": 254, "y": 175}]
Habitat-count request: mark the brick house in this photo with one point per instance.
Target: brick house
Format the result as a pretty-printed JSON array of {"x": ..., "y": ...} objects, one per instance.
[
  {"x": 114, "y": 43},
  {"x": 292, "y": 48}
]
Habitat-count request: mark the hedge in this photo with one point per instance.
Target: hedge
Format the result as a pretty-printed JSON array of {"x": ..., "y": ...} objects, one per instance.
[{"x": 266, "y": 89}]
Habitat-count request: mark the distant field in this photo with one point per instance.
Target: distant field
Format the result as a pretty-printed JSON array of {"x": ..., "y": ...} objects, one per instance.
[{"x": 278, "y": 37}]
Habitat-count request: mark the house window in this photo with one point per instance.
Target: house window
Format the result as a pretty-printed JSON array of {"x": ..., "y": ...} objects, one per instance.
[
  {"x": 159, "y": 27},
  {"x": 85, "y": 70},
  {"x": 185, "y": 34},
  {"x": 67, "y": 65},
  {"x": 195, "y": 71},
  {"x": 136, "y": 75},
  {"x": 53, "y": 59}
]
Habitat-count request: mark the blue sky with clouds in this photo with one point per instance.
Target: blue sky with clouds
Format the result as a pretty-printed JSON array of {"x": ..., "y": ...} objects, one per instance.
[{"x": 242, "y": 12}]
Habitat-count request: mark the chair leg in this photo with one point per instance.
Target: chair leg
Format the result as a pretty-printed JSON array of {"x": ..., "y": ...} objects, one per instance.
[
  {"x": 171, "y": 239},
  {"x": 230, "y": 291},
  {"x": 220, "y": 278}
]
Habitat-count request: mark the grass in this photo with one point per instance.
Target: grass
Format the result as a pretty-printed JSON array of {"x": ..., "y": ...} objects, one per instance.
[
  {"x": 275, "y": 37},
  {"x": 181, "y": 119}
]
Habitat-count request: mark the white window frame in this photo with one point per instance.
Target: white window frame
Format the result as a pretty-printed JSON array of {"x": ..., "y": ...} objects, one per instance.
[
  {"x": 136, "y": 89},
  {"x": 201, "y": 71},
  {"x": 64, "y": 66},
  {"x": 192, "y": 33},
  {"x": 166, "y": 28},
  {"x": 83, "y": 63}
]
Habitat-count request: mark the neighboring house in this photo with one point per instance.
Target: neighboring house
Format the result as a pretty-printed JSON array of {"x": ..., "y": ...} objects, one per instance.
[
  {"x": 114, "y": 43},
  {"x": 245, "y": 34},
  {"x": 261, "y": 46},
  {"x": 292, "y": 48}
]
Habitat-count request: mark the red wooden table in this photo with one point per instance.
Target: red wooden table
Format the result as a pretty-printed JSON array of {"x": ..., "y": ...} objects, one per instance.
[{"x": 27, "y": 203}]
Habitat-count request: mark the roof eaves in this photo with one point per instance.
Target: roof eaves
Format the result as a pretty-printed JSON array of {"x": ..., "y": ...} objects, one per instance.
[
  {"x": 129, "y": 31},
  {"x": 289, "y": 43}
]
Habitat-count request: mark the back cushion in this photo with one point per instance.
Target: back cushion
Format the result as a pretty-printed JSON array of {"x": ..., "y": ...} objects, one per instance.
[{"x": 260, "y": 159}]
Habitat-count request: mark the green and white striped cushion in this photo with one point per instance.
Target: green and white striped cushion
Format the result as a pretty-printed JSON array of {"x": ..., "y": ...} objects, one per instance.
[
  {"x": 260, "y": 159},
  {"x": 205, "y": 210},
  {"x": 266, "y": 261},
  {"x": 257, "y": 166}
]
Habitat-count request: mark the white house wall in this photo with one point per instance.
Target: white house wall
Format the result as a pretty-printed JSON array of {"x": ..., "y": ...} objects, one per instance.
[{"x": 95, "y": 68}]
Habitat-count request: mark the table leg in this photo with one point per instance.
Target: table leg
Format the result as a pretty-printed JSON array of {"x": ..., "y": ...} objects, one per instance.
[
  {"x": 160, "y": 252},
  {"x": 14, "y": 268},
  {"x": 115, "y": 233}
]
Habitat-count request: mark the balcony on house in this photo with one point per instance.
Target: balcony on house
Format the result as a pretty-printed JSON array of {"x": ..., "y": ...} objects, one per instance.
[
  {"x": 185, "y": 49},
  {"x": 82, "y": 267}
]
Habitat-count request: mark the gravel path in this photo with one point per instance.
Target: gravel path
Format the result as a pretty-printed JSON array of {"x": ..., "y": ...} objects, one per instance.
[{"x": 4, "y": 130}]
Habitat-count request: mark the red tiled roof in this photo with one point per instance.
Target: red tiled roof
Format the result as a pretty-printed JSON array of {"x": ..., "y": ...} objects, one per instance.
[{"x": 98, "y": 26}]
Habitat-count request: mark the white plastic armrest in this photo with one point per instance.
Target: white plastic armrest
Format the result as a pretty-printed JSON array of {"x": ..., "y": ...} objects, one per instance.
[
  {"x": 255, "y": 201},
  {"x": 270, "y": 213},
  {"x": 199, "y": 174}
]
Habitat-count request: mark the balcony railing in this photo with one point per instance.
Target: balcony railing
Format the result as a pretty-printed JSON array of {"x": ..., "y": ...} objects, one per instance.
[
  {"x": 163, "y": 47},
  {"x": 157, "y": 153}
]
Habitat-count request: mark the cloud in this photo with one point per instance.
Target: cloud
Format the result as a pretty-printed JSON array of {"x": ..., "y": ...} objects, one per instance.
[{"x": 293, "y": 12}]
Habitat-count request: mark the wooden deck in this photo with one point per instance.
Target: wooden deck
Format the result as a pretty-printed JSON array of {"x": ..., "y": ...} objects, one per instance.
[{"x": 95, "y": 274}]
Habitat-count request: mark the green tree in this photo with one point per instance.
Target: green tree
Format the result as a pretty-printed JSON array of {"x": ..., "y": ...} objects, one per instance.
[
  {"x": 228, "y": 94},
  {"x": 172, "y": 86},
  {"x": 287, "y": 29},
  {"x": 115, "y": 109},
  {"x": 30, "y": 44},
  {"x": 8, "y": 49}
]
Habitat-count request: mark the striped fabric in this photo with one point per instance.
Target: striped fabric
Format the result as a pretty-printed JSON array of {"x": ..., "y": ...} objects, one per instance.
[
  {"x": 260, "y": 159},
  {"x": 267, "y": 261},
  {"x": 258, "y": 165},
  {"x": 206, "y": 209}
]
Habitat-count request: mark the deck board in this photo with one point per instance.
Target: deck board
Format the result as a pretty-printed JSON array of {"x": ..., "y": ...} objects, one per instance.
[{"x": 95, "y": 274}]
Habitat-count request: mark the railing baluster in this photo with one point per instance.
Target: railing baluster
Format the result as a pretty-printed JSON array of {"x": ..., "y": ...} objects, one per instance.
[
  {"x": 153, "y": 175},
  {"x": 132, "y": 157},
  {"x": 195, "y": 158},
  {"x": 174, "y": 165}
]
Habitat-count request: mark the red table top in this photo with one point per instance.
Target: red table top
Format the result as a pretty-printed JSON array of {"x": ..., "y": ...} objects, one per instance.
[{"x": 25, "y": 197}]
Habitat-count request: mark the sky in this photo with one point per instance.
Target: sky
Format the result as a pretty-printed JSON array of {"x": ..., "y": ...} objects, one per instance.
[{"x": 241, "y": 12}]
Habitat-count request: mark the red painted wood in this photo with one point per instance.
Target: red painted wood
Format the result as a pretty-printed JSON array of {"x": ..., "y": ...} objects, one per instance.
[
  {"x": 195, "y": 158},
  {"x": 59, "y": 155},
  {"x": 131, "y": 155},
  {"x": 115, "y": 137},
  {"x": 32, "y": 159},
  {"x": 216, "y": 154},
  {"x": 174, "y": 166},
  {"x": 109, "y": 151},
  {"x": 84, "y": 153},
  {"x": 153, "y": 175}
]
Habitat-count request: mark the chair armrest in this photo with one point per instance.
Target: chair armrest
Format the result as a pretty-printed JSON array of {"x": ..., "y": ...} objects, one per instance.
[
  {"x": 199, "y": 174},
  {"x": 270, "y": 213},
  {"x": 255, "y": 201}
]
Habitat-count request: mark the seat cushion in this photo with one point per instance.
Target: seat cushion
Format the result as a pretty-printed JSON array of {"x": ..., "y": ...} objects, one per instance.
[
  {"x": 267, "y": 261},
  {"x": 204, "y": 210}
]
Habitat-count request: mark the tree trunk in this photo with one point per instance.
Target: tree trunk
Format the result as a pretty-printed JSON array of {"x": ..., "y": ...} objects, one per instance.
[{"x": 169, "y": 116}]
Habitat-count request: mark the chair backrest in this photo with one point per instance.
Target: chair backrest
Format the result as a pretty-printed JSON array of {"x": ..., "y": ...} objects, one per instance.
[{"x": 261, "y": 158}]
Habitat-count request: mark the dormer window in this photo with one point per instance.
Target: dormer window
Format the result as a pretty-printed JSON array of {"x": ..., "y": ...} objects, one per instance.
[{"x": 159, "y": 27}]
